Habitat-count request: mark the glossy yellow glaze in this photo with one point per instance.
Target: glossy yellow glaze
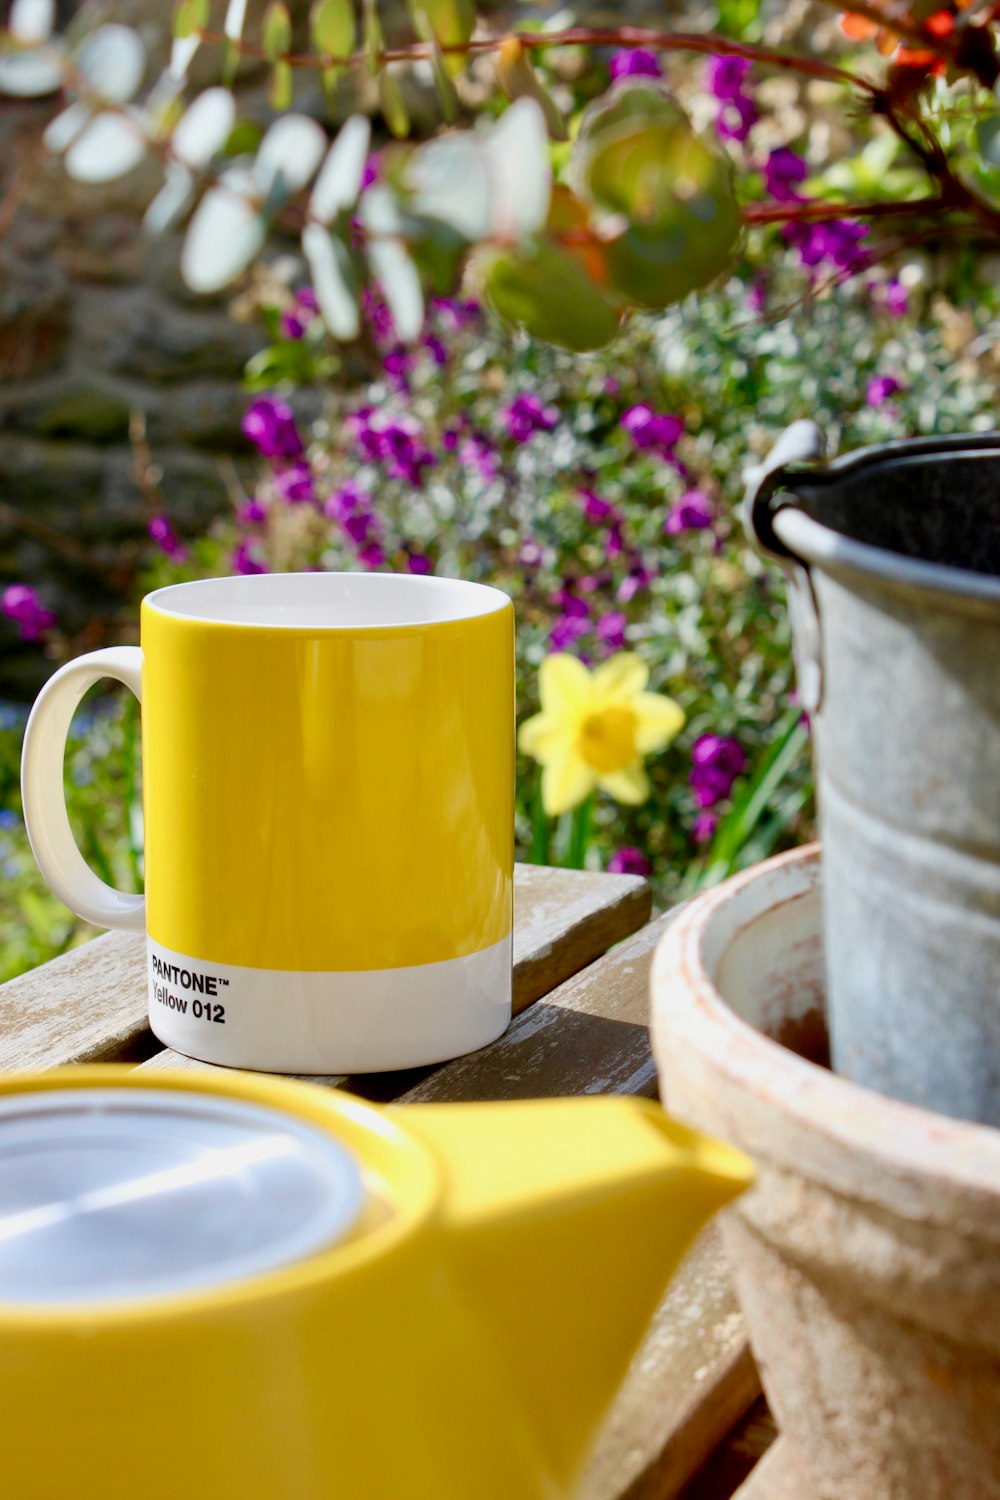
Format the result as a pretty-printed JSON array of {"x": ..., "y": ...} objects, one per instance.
[
  {"x": 337, "y": 800},
  {"x": 462, "y": 1346}
]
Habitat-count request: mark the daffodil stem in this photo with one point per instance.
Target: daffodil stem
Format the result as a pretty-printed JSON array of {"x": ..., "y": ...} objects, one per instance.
[
  {"x": 579, "y": 836},
  {"x": 541, "y": 825}
]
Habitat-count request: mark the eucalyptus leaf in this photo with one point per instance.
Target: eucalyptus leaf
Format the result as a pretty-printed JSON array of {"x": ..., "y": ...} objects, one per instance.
[
  {"x": 453, "y": 23},
  {"x": 63, "y": 129},
  {"x": 550, "y": 294},
  {"x": 333, "y": 281},
  {"x": 333, "y": 28},
  {"x": 442, "y": 78},
  {"x": 374, "y": 37},
  {"x": 339, "y": 182},
  {"x": 519, "y": 80},
  {"x": 204, "y": 128},
  {"x": 390, "y": 97},
  {"x": 31, "y": 75},
  {"x": 288, "y": 156},
  {"x": 31, "y": 21},
  {"x": 400, "y": 282},
  {"x": 517, "y": 153},
  {"x": 113, "y": 62},
  {"x": 449, "y": 180},
  {"x": 280, "y": 90},
  {"x": 171, "y": 201},
  {"x": 225, "y": 233},
  {"x": 111, "y": 145},
  {"x": 236, "y": 15},
  {"x": 182, "y": 55},
  {"x": 277, "y": 30},
  {"x": 190, "y": 17}
]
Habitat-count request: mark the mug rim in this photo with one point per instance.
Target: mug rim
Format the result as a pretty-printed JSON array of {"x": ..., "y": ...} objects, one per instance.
[{"x": 284, "y": 610}]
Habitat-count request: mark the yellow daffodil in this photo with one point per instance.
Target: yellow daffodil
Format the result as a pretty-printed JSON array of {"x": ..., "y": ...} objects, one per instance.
[{"x": 594, "y": 729}]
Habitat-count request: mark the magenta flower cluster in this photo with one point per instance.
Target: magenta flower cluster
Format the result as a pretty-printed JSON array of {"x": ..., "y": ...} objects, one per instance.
[
  {"x": 882, "y": 389},
  {"x": 296, "y": 319},
  {"x": 20, "y": 603},
  {"x": 398, "y": 443},
  {"x": 527, "y": 415},
  {"x": 169, "y": 543},
  {"x": 655, "y": 432},
  {"x": 269, "y": 423},
  {"x": 716, "y": 761},
  {"x": 353, "y": 510},
  {"x": 629, "y": 861},
  {"x": 634, "y": 62},
  {"x": 726, "y": 78},
  {"x": 692, "y": 512}
]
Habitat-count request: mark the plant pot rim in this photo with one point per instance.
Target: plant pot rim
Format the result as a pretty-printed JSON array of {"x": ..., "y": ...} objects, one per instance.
[{"x": 793, "y": 1114}]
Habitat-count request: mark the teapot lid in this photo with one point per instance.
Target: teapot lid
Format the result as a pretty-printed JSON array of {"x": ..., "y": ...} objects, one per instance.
[{"x": 110, "y": 1194}]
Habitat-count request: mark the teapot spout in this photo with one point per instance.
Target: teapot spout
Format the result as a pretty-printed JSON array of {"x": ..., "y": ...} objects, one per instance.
[{"x": 565, "y": 1219}]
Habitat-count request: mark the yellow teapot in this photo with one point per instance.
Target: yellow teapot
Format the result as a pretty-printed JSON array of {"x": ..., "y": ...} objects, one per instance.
[{"x": 232, "y": 1287}]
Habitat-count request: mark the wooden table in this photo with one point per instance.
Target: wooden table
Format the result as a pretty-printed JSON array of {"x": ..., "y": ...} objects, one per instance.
[{"x": 688, "y": 1421}]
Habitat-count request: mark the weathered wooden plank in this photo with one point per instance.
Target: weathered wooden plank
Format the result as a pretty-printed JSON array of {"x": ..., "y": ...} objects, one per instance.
[
  {"x": 87, "y": 1005},
  {"x": 563, "y": 920},
  {"x": 693, "y": 1377}
]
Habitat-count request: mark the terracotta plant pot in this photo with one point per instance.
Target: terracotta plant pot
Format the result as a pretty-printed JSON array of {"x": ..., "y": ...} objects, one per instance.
[{"x": 867, "y": 1256}]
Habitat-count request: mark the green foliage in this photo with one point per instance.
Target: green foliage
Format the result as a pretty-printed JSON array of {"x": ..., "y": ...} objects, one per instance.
[
  {"x": 190, "y": 17},
  {"x": 550, "y": 293}
]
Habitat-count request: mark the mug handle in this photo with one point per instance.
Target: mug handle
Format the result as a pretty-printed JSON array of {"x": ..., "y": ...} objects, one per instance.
[{"x": 43, "y": 796}]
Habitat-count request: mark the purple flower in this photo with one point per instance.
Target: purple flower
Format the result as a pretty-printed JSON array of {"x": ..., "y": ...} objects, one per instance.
[
  {"x": 894, "y": 298},
  {"x": 783, "y": 171},
  {"x": 371, "y": 171},
  {"x": 269, "y": 423},
  {"x": 371, "y": 556},
  {"x": 377, "y": 315},
  {"x": 530, "y": 554},
  {"x": 610, "y": 630},
  {"x": 252, "y": 513},
  {"x": 526, "y": 415},
  {"x": 838, "y": 241},
  {"x": 418, "y": 563},
  {"x": 692, "y": 512},
  {"x": 398, "y": 365},
  {"x": 456, "y": 313},
  {"x": 716, "y": 761},
  {"x": 20, "y": 603},
  {"x": 166, "y": 539},
  {"x": 243, "y": 561},
  {"x": 634, "y": 62},
  {"x": 296, "y": 319},
  {"x": 736, "y": 118},
  {"x": 571, "y": 606},
  {"x": 477, "y": 453},
  {"x": 396, "y": 442},
  {"x": 343, "y": 502},
  {"x": 595, "y": 509},
  {"x": 725, "y": 76},
  {"x": 635, "y": 581},
  {"x": 653, "y": 431},
  {"x": 295, "y": 485},
  {"x": 757, "y": 295},
  {"x": 435, "y": 348},
  {"x": 704, "y": 828},
  {"x": 629, "y": 861},
  {"x": 567, "y": 630},
  {"x": 881, "y": 389}
]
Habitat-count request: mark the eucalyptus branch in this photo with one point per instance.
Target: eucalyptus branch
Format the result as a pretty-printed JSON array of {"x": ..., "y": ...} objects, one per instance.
[{"x": 817, "y": 212}]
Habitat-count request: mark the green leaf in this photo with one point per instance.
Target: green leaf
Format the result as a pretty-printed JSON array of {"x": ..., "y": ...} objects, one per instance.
[
  {"x": 333, "y": 281},
  {"x": 453, "y": 23},
  {"x": 519, "y": 80},
  {"x": 333, "y": 28},
  {"x": 550, "y": 294},
  {"x": 190, "y": 17},
  {"x": 280, "y": 91},
  {"x": 390, "y": 97},
  {"x": 442, "y": 78},
  {"x": 740, "y": 18},
  {"x": 790, "y": 740},
  {"x": 277, "y": 31},
  {"x": 374, "y": 38},
  {"x": 638, "y": 159}
]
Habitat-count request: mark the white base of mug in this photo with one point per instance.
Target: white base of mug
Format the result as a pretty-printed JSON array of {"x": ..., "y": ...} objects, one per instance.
[{"x": 370, "y": 1021}]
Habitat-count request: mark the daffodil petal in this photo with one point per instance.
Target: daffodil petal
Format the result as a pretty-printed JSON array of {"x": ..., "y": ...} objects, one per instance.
[
  {"x": 629, "y": 785},
  {"x": 566, "y": 780},
  {"x": 543, "y": 736},
  {"x": 658, "y": 720},
  {"x": 622, "y": 677},
  {"x": 564, "y": 685}
]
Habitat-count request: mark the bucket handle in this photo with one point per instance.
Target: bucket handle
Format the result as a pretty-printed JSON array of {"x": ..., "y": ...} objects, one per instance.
[{"x": 802, "y": 442}]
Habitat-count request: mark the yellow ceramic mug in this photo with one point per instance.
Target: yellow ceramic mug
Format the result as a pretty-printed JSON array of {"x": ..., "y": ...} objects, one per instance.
[{"x": 328, "y": 765}]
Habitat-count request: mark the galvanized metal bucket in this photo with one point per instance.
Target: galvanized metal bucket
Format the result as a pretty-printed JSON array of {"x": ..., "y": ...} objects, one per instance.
[{"x": 893, "y": 561}]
